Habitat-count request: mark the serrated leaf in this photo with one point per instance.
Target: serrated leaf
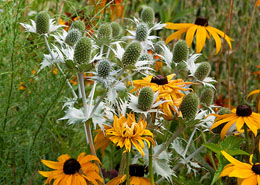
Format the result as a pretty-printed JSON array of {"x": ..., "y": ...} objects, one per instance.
[
  {"x": 231, "y": 142},
  {"x": 218, "y": 171},
  {"x": 238, "y": 152},
  {"x": 213, "y": 147}
]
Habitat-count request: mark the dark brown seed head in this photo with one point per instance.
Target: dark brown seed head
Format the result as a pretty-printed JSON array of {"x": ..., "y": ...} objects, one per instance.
[
  {"x": 243, "y": 110},
  {"x": 71, "y": 166},
  {"x": 159, "y": 80},
  {"x": 137, "y": 170},
  {"x": 256, "y": 168},
  {"x": 201, "y": 21}
]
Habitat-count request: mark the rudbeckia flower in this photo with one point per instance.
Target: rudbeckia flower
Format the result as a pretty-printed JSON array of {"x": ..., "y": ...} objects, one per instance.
[
  {"x": 248, "y": 174},
  {"x": 101, "y": 140},
  {"x": 257, "y": 3},
  {"x": 127, "y": 132},
  {"x": 239, "y": 116},
  {"x": 136, "y": 176},
  {"x": 203, "y": 31},
  {"x": 169, "y": 90},
  {"x": 71, "y": 171}
]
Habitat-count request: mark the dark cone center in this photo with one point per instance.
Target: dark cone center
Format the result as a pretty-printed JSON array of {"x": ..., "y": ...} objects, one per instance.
[
  {"x": 159, "y": 80},
  {"x": 71, "y": 166},
  {"x": 137, "y": 170},
  {"x": 244, "y": 110},
  {"x": 256, "y": 168},
  {"x": 201, "y": 21}
]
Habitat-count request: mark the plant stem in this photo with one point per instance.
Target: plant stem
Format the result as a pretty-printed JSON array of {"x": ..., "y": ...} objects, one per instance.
[
  {"x": 167, "y": 144},
  {"x": 127, "y": 168},
  {"x": 151, "y": 164},
  {"x": 58, "y": 66}
]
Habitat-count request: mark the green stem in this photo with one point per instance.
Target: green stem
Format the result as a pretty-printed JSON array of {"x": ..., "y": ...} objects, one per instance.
[
  {"x": 210, "y": 153},
  {"x": 151, "y": 164},
  {"x": 247, "y": 138},
  {"x": 127, "y": 168}
]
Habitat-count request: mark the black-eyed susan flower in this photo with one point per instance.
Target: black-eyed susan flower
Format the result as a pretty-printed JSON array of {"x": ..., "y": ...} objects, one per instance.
[
  {"x": 127, "y": 132},
  {"x": 247, "y": 174},
  {"x": 71, "y": 171},
  {"x": 101, "y": 140},
  {"x": 243, "y": 114},
  {"x": 257, "y": 3},
  {"x": 169, "y": 90},
  {"x": 136, "y": 176},
  {"x": 203, "y": 31}
]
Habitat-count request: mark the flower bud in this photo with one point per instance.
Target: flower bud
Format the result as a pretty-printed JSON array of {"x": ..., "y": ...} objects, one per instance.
[
  {"x": 180, "y": 51},
  {"x": 147, "y": 15},
  {"x": 105, "y": 31},
  {"x": 189, "y": 106},
  {"x": 132, "y": 53},
  {"x": 116, "y": 29},
  {"x": 145, "y": 98},
  {"x": 83, "y": 51},
  {"x": 73, "y": 36},
  {"x": 202, "y": 71},
  {"x": 207, "y": 96},
  {"x": 42, "y": 21},
  {"x": 104, "y": 68},
  {"x": 141, "y": 32},
  {"x": 78, "y": 25}
]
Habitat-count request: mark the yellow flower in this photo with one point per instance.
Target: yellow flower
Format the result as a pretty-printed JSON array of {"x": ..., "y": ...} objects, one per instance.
[
  {"x": 239, "y": 116},
  {"x": 127, "y": 132},
  {"x": 257, "y": 3},
  {"x": 136, "y": 176},
  {"x": 101, "y": 140},
  {"x": 247, "y": 174},
  {"x": 168, "y": 88},
  {"x": 22, "y": 86},
  {"x": 71, "y": 171},
  {"x": 257, "y": 91},
  {"x": 203, "y": 31}
]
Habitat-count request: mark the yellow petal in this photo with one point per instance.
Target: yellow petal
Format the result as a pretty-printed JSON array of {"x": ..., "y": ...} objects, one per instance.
[
  {"x": 239, "y": 124},
  {"x": 241, "y": 173},
  {"x": 44, "y": 173},
  {"x": 177, "y": 26},
  {"x": 251, "y": 125},
  {"x": 257, "y": 3},
  {"x": 216, "y": 124},
  {"x": 216, "y": 38},
  {"x": 200, "y": 38},
  {"x": 253, "y": 92},
  {"x": 190, "y": 34},
  {"x": 175, "y": 35},
  {"x": 222, "y": 34},
  {"x": 226, "y": 128},
  {"x": 250, "y": 180},
  {"x": 235, "y": 161},
  {"x": 53, "y": 164}
]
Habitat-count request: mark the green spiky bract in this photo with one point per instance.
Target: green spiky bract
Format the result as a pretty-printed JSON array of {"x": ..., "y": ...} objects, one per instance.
[
  {"x": 202, "y": 71},
  {"x": 104, "y": 68},
  {"x": 105, "y": 31},
  {"x": 42, "y": 21},
  {"x": 132, "y": 53},
  {"x": 189, "y": 106},
  {"x": 116, "y": 29},
  {"x": 147, "y": 15},
  {"x": 207, "y": 96},
  {"x": 180, "y": 51},
  {"x": 73, "y": 36},
  {"x": 83, "y": 51},
  {"x": 78, "y": 24},
  {"x": 141, "y": 32},
  {"x": 145, "y": 57},
  {"x": 145, "y": 98}
]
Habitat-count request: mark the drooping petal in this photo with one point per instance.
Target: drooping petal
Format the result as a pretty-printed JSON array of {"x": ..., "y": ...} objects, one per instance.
[
  {"x": 174, "y": 35},
  {"x": 235, "y": 161},
  {"x": 222, "y": 34},
  {"x": 200, "y": 38},
  {"x": 190, "y": 34},
  {"x": 177, "y": 26},
  {"x": 216, "y": 38}
]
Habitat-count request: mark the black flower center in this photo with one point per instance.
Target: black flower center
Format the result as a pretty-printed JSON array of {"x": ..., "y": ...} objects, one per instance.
[
  {"x": 256, "y": 168},
  {"x": 137, "y": 170},
  {"x": 201, "y": 21},
  {"x": 243, "y": 110},
  {"x": 71, "y": 166},
  {"x": 159, "y": 80}
]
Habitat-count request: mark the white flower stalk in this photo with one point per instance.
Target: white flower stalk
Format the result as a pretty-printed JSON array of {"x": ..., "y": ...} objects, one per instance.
[
  {"x": 192, "y": 67},
  {"x": 32, "y": 27},
  {"x": 133, "y": 104}
]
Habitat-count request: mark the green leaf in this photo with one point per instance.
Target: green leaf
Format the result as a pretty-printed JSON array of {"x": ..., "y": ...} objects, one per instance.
[
  {"x": 218, "y": 171},
  {"x": 238, "y": 152},
  {"x": 214, "y": 147},
  {"x": 231, "y": 143}
]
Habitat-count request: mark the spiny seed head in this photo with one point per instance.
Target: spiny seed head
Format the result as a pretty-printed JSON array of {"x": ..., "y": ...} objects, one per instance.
[
  {"x": 132, "y": 53},
  {"x": 145, "y": 98},
  {"x": 180, "y": 51},
  {"x": 207, "y": 96},
  {"x": 42, "y": 21},
  {"x": 141, "y": 32},
  {"x": 158, "y": 47},
  {"x": 105, "y": 31},
  {"x": 189, "y": 106},
  {"x": 73, "y": 36},
  {"x": 104, "y": 68},
  {"x": 202, "y": 71},
  {"x": 147, "y": 15},
  {"x": 83, "y": 50},
  {"x": 145, "y": 57},
  {"x": 116, "y": 29},
  {"x": 78, "y": 24}
]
